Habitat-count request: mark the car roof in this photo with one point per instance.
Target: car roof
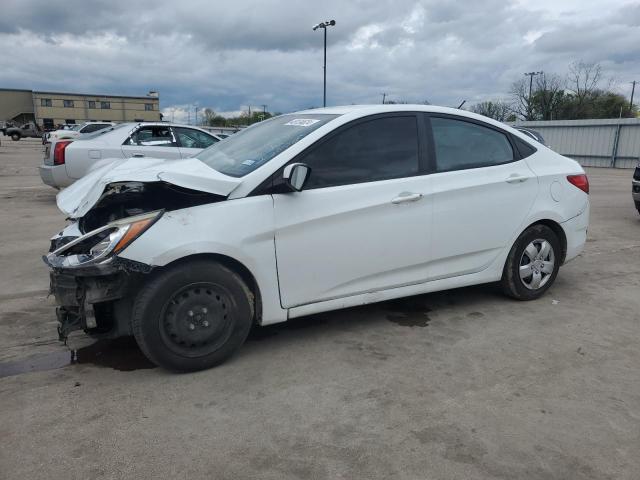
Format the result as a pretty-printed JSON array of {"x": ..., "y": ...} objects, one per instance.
[
  {"x": 379, "y": 108},
  {"x": 356, "y": 111}
]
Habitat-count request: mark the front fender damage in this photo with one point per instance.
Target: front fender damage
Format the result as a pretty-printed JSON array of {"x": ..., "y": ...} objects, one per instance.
[{"x": 98, "y": 297}]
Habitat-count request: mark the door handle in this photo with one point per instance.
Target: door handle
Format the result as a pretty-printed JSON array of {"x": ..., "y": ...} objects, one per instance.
[
  {"x": 138, "y": 155},
  {"x": 406, "y": 197},
  {"x": 515, "y": 178}
]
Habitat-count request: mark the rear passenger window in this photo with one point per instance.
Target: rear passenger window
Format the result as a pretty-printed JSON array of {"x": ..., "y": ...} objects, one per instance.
[
  {"x": 190, "y": 138},
  {"x": 378, "y": 149},
  {"x": 152, "y": 136},
  {"x": 523, "y": 147},
  {"x": 460, "y": 145}
]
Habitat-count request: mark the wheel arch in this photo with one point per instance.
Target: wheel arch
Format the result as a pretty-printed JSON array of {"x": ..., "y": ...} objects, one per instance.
[
  {"x": 232, "y": 264},
  {"x": 557, "y": 229}
]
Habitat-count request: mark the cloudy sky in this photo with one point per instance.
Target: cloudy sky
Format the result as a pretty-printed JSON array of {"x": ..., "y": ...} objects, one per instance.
[{"x": 228, "y": 55}]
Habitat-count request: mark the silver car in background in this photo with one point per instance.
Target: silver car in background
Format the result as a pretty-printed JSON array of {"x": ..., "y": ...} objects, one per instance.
[
  {"x": 66, "y": 160},
  {"x": 75, "y": 131}
]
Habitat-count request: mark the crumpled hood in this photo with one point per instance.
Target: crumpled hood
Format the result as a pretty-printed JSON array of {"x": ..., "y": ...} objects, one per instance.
[{"x": 75, "y": 201}]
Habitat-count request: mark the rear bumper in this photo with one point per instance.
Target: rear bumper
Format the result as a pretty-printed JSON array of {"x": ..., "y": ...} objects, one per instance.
[
  {"x": 54, "y": 175},
  {"x": 575, "y": 230},
  {"x": 635, "y": 192}
]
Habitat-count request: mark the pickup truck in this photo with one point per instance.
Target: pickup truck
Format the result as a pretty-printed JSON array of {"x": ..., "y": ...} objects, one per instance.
[{"x": 31, "y": 130}]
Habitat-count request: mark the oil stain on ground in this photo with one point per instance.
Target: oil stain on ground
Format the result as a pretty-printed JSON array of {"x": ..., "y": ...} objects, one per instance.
[
  {"x": 408, "y": 312},
  {"x": 121, "y": 354}
]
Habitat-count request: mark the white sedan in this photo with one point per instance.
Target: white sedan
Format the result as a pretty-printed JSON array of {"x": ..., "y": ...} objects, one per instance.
[
  {"x": 66, "y": 160},
  {"x": 76, "y": 131},
  {"x": 309, "y": 212}
]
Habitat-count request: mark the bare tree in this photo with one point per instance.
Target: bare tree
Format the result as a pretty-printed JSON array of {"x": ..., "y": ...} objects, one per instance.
[
  {"x": 521, "y": 102},
  {"x": 207, "y": 116},
  {"x": 548, "y": 96},
  {"x": 498, "y": 110},
  {"x": 583, "y": 79}
]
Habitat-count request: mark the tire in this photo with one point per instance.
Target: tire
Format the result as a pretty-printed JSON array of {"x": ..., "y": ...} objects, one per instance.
[
  {"x": 15, "y": 137},
  {"x": 192, "y": 316},
  {"x": 527, "y": 278}
]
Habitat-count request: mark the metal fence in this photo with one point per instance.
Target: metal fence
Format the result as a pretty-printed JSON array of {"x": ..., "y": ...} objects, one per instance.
[{"x": 607, "y": 142}]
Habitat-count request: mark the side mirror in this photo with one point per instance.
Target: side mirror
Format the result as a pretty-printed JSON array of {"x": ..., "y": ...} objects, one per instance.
[{"x": 296, "y": 175}]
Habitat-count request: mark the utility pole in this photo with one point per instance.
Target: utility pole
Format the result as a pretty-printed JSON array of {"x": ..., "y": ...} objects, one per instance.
[
  {"x": 196, "y": 107},
  {"x": 264, "y": 112},
  {"x": 249, "y": 117},
  {"x": 633, "y": 90},
  {"x": 531, "y": 75},
  {"x": 384, "y": 96},
  {"x": 324, "y": 25}
]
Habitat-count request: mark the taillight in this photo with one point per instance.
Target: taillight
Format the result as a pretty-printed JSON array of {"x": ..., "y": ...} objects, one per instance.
[
  {"x": 58, "y": 152},
  {"x": 580, "y": 181}
]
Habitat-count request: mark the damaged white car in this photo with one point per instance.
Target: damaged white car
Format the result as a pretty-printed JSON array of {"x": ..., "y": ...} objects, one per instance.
[{"x": 305, "y": 213}]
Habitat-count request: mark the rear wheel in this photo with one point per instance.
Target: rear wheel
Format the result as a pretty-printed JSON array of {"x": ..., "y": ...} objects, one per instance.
[
  {"x": 193, "y": 316},
  {"x": 532, "y": 264}
]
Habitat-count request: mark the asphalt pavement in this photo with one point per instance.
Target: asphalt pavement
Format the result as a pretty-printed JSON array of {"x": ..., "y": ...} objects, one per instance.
[{"x": 463, "y": 384}]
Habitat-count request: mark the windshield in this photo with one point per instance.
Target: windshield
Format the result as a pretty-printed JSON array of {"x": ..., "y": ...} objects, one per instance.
[
  {"x": 75, "y": 128},
  {"x": 245, "y": 151}
]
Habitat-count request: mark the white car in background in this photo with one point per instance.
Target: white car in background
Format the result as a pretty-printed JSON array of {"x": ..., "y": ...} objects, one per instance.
[
  {"x": 310, "y": 212},
  {"x": 76, "y": 131},
  {"x": 66, "y": 160}
]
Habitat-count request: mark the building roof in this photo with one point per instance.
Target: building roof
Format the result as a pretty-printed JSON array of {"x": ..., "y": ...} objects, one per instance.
[{"x": 98, "y": 95}]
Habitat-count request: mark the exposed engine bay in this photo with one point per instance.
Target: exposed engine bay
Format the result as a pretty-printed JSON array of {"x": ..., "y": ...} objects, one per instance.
[{"x": 126, "y": 199}]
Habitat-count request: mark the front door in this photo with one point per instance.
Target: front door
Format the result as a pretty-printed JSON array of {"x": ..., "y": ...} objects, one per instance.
[{"x": 363, "y": 222}]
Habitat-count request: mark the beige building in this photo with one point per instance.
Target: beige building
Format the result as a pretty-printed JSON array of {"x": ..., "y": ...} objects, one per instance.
[{"x": 52, "y": 108}]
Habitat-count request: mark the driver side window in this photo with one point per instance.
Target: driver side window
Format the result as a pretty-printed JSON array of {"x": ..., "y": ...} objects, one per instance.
[{"x": 378, "y": 149}]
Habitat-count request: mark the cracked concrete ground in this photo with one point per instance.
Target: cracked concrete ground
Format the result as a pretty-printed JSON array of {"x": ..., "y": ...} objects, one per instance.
[{"x": 452, "y": 385}]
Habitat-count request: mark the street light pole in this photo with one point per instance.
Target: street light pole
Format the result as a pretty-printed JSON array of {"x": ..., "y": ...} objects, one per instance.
[
  {"x": 324, "y": 71},
  {"x": 531, "y": 75},
  {"x": 633, "y": 90},
  {"x": 324, "y": 26}
]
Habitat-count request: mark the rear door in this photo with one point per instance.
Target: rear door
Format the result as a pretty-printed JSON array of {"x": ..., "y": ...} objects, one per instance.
[
  {"x": 192, "y": 141},
  {"x": 156, "y": 141},
  {"x": 482, "y": 194},
  {"x": 363, "y": 222}
]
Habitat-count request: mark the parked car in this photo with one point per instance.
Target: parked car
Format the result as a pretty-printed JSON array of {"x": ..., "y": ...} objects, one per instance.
[
  {"x": 76, "y": 131},
  {"x": 27, "y": 130},
  {"x": 537, "y": 136},
  {"x": 66, "y": 160},
  {"x": 635, "y": 187},
  {"x": 305, "y": 213}
]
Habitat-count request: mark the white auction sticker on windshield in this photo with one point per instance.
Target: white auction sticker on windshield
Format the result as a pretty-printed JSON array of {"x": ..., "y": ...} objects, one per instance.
[{"x": 302, "y": 122}]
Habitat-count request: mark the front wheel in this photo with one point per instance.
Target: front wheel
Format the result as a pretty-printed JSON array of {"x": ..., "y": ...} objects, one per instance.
[
  {"x": 192, "y": 316},
  {"x": 15, "y": 137},
  {"x": 532, "y": 264}
]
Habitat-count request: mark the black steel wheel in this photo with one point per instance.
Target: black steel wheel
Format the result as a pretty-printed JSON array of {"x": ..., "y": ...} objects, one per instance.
[
  {"x": 192, "y": 316},
  {"x": 196, "y": 320}
]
